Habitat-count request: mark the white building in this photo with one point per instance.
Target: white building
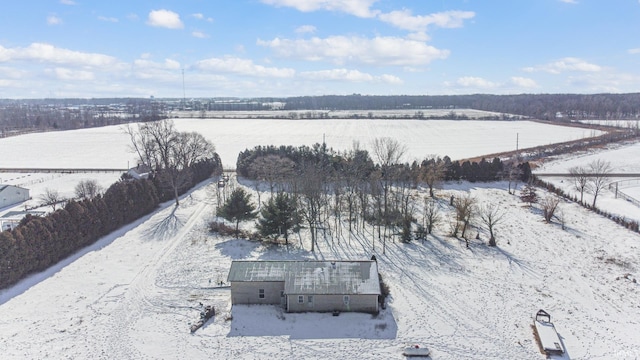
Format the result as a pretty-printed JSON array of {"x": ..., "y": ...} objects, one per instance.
[{"x": 11, "y": 195}]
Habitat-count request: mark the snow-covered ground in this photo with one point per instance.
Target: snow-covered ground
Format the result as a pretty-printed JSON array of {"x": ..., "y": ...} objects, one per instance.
[
  {"x": 134, "y": 293},
  {"x": 108, "y": 147}
]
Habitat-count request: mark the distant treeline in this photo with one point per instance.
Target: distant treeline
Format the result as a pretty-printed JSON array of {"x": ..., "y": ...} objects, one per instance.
[
  {"x": 43, "y": 114},
  {"x": 39, "y": 242},
  {"x": 539, "y": 106},
  {"x": 66, "y": 114},
  {"x": 280, "y": 163}
]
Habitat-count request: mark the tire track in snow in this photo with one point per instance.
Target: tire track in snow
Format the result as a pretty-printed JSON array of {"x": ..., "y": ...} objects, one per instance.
[{"x": 138, "y": 296}]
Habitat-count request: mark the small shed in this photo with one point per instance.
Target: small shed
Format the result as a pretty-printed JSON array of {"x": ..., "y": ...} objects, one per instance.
[
  {"x": 11, "y": 195},
  {"x": 300, "y": 286}
]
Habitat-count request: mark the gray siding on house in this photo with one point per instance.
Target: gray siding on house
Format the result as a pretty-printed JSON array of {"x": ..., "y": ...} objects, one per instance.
[
  {"x": 248, "y": 292},
  {"x": 328, "y": 303}
]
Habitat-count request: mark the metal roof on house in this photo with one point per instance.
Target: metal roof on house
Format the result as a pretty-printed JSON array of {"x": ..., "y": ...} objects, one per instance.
[{"x": 311, "y": 277}]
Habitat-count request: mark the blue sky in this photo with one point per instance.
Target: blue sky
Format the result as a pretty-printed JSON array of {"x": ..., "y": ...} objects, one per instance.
[{"x": 256, "y": 48}]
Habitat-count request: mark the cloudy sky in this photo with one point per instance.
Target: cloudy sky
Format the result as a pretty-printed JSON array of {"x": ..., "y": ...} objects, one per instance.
[{"x": 249, "y": 48}]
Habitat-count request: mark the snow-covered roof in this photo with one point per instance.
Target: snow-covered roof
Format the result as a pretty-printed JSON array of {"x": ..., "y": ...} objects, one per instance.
[
  {"x": 311, "y": 277},
  {"x": 5, "y": 186}
]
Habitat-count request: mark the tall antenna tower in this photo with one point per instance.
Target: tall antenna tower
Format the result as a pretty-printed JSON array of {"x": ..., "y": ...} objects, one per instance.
[{"x": 184, "y": 94}]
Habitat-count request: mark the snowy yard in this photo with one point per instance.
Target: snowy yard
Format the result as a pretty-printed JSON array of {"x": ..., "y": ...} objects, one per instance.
[{"x": 135, "y": 293}]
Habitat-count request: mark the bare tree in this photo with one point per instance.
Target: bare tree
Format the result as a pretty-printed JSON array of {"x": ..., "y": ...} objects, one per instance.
[
  {"x": 51, "y": 197},
  {"x": 599, "y": 177},
  {"x": 433, "y": 171},
  {"x": 87, "y": 189},
  {"x": 168, "y": 152},
  {"x": 491, "y": 215},
  {"x": 431, "y": 214},
  {"x": 512, "y": 173},
  {"x": 274, "y": 169},
  {"x": 580, "y": 177},
  {"x": 387, "y": 152},
  {"x": 549, "y": 205},
  {"x": 310, "y": 187},
  {"x": 465, "y": 207}
]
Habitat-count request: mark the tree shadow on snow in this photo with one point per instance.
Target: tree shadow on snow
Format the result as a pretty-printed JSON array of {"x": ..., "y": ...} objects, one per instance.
[
  {"x": 237, "y": 249},
  {"x": 165, "y": 228}
]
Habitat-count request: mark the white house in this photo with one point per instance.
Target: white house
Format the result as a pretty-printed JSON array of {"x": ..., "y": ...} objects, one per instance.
[
  {"x": 12, "y": 219},
  {"x": 11, "y": 195},
  {"x": 140, "y": 172},
  {"x": 300, "y": 286}
]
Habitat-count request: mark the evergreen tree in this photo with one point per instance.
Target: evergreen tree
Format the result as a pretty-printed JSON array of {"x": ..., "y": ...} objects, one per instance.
[
  {"x": 528, "y": 194},
  {"x": 238, "y": 207},
  {"x": 279, "y": 216}
]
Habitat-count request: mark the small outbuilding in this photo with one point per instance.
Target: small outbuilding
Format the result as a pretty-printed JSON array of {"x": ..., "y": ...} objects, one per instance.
[
  {"x": 140, "y": 172},
  {"x": 11, "y": 195},
  {"x": 301, "y": 286}
]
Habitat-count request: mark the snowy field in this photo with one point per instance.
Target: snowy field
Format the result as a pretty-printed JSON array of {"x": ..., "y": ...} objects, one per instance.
[
  {"x": 108, "y": 147},
  {"x": 134, "y": 294}
]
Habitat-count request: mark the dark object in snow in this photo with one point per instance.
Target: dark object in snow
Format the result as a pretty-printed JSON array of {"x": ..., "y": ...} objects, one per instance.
[
  {"x": 205, "y": 315},
  {"x": 415, "y": 350},
  {"x": 336, "y": 313},
  {"x": 546, "y": 334}
]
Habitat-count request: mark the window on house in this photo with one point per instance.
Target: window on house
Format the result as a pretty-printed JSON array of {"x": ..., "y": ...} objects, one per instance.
[
  {"x": 346, "y": 299},
  {"x": 310, "y": 299},
  {"x": 281, "y": 293},
  {"x": 261, "y": 293},
  {"x": 300, "y": 299}
]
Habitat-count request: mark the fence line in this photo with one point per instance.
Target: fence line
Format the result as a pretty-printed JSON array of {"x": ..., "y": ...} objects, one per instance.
[{"x": 615, "y": 188}]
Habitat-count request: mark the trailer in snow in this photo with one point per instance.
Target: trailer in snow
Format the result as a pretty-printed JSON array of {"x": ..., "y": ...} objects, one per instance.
[{"x": 547, "y": 335}]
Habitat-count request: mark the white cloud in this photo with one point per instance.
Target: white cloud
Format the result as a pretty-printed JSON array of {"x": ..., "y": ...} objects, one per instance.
[
  {"x": 404, "y": 19},
  {"x": 476, "y": 82},
  {"x": 165, "y": 18},
  {"x": 200, "y": 16},
  {"x": 348, "y": 75},
  {"x": 168, "y": 64},
  {"x": 306, "y": 29},
  {"x": 67, "y": 2},
  {"x": 565, "y": 64},
  {"x": 569, "y": 1},
  {"x": 168, "y": 71},
  {"x": 199, "y": 34},
  {"x": 523, "y": 82},
  {"x": 48, "y": 53},
  {"x": 343, "y": 49},
  {"x": 71, "y": 75},
  {"x": 54, "y": 20},
  {"x": 359, "y": 8},
  {"x": 634, "y": 51},
  {"x": 243, "y": 67},
  {"x": 108, "y": 19}
]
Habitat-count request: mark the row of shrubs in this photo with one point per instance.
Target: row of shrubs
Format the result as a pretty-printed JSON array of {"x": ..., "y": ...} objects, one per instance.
[{"x": 40, "y": 242}]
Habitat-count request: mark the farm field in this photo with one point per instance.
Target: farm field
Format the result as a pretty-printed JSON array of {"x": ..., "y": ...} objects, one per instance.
[
  {"x": 108, "y": 147},
  {"x": 135, "y": 292}
]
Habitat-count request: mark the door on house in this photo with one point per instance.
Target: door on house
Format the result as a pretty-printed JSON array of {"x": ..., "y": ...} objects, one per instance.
[{"x": 283, "y": 299}]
